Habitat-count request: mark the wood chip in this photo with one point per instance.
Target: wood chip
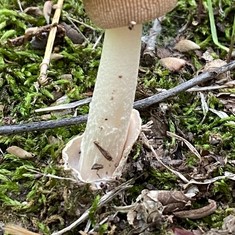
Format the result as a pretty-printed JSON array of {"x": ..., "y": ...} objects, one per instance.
[
  {"x": 19, "y": 152},
  {"x": 172, "y": 63},
  {"x": 186, "y": 45}
]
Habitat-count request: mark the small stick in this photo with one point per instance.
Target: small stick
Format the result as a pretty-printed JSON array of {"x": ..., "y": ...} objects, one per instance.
[
  {"x": 44, "y": 125},
  {"x": 42, "y": 79},
  {"x": 20, "y": 5},
  {"x": 16, "y": 230},
  {"x": 178, "y": 174},
  {"x": 74, "y": 25},
  {"x": 65, "y": 106}
]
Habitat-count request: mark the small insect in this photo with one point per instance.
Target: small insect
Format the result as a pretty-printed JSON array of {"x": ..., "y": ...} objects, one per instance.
[
  {"x": 131, "y": 25},
  {"x": 104, "y": 152},
  {"x": 97, "y": 166}
]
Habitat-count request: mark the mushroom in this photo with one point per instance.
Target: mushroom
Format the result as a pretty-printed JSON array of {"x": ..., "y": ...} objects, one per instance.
[{"x": 113, "y": 126}]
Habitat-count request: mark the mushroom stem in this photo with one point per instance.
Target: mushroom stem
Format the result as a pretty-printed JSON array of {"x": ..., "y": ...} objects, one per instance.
[{"x": 110, "y": 110}]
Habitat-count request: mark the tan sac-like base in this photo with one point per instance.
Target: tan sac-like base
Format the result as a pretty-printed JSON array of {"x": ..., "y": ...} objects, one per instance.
[{"x": 71, "y": 152}]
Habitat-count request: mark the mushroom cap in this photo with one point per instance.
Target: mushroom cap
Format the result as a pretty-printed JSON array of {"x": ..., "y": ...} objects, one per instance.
[{"x": 119, "y": 13}]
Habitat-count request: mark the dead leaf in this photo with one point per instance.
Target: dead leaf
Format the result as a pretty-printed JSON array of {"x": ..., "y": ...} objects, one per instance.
[
  {"x": 180, "y": 231},
  {"x": 145, "y": 211},
  {"x": 222, "y": 115},
  {"x": 17, "y": 230},
  {"x": 198, "y": 213},
  {"x": 214, "y": 64},
  {"x": 35, "y": 11},
  {"x": 204, "y": 106},
  {"x": 173, "y": 63},
  {"x": 229, "y": 224},
  {"x": 19, "y": 152},
  {"x": 56, "y": 56},
  {"x": 171, "y": 200},
  {"x": 152, "y": 205},
  {"x": 186, "y": 45},
  {"x": 207, "y": 56},
  {"x": 73, "y": 34},
  {"x": 47, "y": 8}
]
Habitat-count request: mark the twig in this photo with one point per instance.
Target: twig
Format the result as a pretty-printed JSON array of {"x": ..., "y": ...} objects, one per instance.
[
  {"x": 38, "y": 126},
  {"x": 106, "y": 198},
  {"x": 50, "y": 42},
  {"x": 230, "y": 84},
  {"x": 80, "y": 22},
  {"x": 140, "y": 104},
  {"x": 144, "y": 103},
  {"x": 97, "y": 41},
  {"x": 203, "y": 77}
]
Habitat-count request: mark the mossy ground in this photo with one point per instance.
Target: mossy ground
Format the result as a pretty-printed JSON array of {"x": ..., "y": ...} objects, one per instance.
[{"x": 46, "y": 204}]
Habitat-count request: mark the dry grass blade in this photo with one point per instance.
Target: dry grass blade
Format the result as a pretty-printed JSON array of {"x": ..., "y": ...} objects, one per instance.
[
  {"x": 50, "y": 42},
  {"x": 65, "y": 106},
  {"x": 227, "y": 175},
  {"x": 213, "y": 87},
  {"x": 189, "y": 145}
]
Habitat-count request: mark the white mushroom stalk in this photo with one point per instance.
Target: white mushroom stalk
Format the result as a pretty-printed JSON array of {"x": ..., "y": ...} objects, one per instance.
[
  {"x": 103, "y": 142},
  {"x": 112, "y": 103}
]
